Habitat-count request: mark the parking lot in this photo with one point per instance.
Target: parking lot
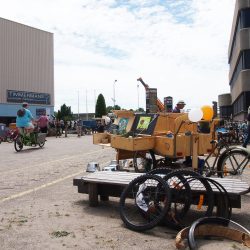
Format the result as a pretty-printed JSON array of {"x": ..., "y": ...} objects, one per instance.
[{"x": 41, "y": 209}]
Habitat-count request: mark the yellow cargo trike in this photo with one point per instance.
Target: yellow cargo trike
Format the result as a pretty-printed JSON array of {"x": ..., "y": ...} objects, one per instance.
[{"x": 156, "y": 140}]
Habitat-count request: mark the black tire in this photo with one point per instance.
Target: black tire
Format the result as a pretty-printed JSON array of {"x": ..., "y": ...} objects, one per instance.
[
  {"x": 143, "y": 161},
  {"x": 18, "y": 143},
  {"x": 224, "y": 206},
  {"x": 41, "y": 144},
  {"x": 144, "y": 202},
  {"x": 188, "y": 203},
  {"x": 233, "y": 164}
]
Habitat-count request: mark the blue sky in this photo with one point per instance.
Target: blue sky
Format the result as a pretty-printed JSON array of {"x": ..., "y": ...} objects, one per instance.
[{"x": 177, "y": 46}]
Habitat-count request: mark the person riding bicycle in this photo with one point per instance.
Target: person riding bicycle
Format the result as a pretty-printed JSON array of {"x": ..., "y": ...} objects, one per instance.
[{"x": 24, "y": 119}]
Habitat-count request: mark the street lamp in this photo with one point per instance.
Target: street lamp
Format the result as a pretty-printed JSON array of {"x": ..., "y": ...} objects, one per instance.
[
  {"x": 138, "y": 96},
  {"x": 78, "y": 103},
  {"x": 114, "y": 92}
]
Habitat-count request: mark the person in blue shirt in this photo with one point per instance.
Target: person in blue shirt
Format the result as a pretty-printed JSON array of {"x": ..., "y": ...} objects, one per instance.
[{"x": 24, "y": 118}]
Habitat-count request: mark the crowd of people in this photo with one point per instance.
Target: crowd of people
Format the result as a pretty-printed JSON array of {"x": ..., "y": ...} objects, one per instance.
[{"x": 25, "y": 121}]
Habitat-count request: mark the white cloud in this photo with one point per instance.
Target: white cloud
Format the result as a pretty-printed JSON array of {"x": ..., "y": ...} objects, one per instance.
[{"x": 179, "y": 47}]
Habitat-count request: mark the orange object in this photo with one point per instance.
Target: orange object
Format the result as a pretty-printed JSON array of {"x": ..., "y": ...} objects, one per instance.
[
  {"x": 12, "y": 125},
  {"x": 200, "y": 203}
]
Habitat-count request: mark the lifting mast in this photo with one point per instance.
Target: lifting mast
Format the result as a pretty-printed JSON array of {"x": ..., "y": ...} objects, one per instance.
[{"x": 160, "y": 105}]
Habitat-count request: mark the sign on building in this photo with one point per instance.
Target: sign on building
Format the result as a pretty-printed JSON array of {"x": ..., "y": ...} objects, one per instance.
[
  {"x": 30, "y": 97},
  {"x": 151, "y": 100}
]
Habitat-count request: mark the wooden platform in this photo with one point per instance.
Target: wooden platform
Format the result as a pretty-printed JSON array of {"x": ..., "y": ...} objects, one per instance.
[{"x": 106, "y": 183}]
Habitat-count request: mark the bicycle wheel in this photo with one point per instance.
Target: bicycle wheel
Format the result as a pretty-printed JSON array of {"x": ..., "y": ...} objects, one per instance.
[
  {"x": 18, "y": 143},
  {"x": 144, "y": 202},
  {"x": 142, "y": 161},
  {"x": 192, "y": 197},
  {"x": 235, "y": 164}
]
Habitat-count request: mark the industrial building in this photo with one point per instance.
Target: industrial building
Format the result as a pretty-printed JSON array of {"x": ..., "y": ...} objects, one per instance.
[
  {"x": 26, "y": 70},
  {"x": 234, "y": 105}
]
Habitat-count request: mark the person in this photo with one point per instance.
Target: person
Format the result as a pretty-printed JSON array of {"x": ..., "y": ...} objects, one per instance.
[
  {"x": 180, "y": 105},
  {"x": 24, "y": 119},
  {"x": 43, "y": 123},
  {"x": 100, "y": 127},
  {"x": 58, "y": 128},
  {"x": 62, "y": 125},
  {"x": 248, "y": 129}
]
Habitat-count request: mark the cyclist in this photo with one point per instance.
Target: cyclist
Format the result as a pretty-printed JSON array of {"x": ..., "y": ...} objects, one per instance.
[{"x": 24, "y": 119}]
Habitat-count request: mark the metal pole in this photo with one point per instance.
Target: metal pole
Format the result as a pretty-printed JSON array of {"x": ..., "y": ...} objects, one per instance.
[
  {"x": 78, "y": 104},
  {"x": 114, "y": 92},
  {"x": 87, "y": 114},
  {"x": 138, "y": 96}
]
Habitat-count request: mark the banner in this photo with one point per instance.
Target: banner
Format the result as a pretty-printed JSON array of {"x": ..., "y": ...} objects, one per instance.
[{"x": 30, "y": 97}]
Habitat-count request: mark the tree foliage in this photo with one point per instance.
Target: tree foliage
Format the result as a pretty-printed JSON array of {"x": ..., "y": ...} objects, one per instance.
[
  {"x": 100, "y": 108},
  {"x": 110, "y": 108},
  {"x": 64, "y": 113}
]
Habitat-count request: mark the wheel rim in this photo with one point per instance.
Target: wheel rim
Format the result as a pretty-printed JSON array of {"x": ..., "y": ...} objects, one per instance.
[
  {"x": 236, "y": 165},
  {"x": 144, "y": 202}
]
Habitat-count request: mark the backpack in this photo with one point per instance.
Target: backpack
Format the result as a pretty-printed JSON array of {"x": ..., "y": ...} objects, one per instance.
[{"x": 20, "y": 112}]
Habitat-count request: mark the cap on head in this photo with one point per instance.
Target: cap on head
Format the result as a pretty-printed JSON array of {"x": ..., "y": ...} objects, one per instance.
[
  {"x": 25, "y": 104},
  {"x": 181, "y": 102}
]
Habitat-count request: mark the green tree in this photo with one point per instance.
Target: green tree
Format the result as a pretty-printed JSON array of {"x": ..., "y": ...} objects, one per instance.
[
  {"x": 64, "y": 113},
  {"x": 110, "y": 108},
  {"x": 140, "y": 110},
  {"x": 117, "y": 107},
  {"x": 100, "y": 108}
]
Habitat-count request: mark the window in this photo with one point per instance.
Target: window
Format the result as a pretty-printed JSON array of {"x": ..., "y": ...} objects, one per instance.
[
  {"x": 243, "y": 63},
  {"x": 243, "y": 21}
]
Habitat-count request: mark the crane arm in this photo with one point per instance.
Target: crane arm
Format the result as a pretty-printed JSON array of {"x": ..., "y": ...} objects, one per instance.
[{"x": 160, "y": 105}]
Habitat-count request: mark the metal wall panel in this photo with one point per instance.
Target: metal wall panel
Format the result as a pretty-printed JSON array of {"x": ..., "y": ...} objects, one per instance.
[{"x": 26, "y": 59}]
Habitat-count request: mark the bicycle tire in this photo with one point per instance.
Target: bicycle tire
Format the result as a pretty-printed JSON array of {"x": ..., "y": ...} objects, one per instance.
[
  {"x": 157, "y": 202},
  {"x": 210, "y": 220},
  {"x": 18, "y": 144},
  {"x": 226, "y": 210},
  {"x": 140, "y": 161},
  {"x": 186, "y": 177},
  {"x": 227, "y": 164}
]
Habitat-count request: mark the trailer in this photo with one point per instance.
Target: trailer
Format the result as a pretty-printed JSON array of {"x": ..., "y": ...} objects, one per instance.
[{"x": 162, "y": 137}]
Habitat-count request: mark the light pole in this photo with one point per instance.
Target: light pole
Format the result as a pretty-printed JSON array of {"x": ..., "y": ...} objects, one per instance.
[
  {"x": 138, "y": 96},
  {"x": 78, "y": 104},
  {"x": 114, "y": 92}
]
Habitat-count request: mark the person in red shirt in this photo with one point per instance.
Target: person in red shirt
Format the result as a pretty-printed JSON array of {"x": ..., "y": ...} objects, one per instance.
[{"x": 43, "y": 123}]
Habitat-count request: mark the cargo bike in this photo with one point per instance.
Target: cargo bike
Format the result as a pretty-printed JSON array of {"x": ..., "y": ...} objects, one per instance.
[{"x": 163, "y": 139}]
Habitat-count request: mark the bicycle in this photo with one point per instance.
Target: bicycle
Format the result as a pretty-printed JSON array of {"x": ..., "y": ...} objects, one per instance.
[
  {"x": 230, "y": 161},
  {"x": 33, "y": 139}
]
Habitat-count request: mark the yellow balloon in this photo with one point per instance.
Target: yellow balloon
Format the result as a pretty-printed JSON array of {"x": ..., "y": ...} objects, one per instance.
[{"x": 208, "y": 112}]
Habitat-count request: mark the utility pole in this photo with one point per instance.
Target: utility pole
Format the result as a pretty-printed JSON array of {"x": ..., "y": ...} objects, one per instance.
[
  {"x": 87, "y": 114},
  {"x": 138, "y": 96},
  {"x": 114, "y": 92},
  {"x": 78, "y": 104}
]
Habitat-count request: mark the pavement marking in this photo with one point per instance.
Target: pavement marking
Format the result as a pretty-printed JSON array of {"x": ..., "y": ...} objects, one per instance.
[
  {"x": 18, "y": 195},
  {"x": 48, "y": 162}
]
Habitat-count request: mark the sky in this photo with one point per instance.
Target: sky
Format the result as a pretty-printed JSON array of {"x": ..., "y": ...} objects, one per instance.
[{"x": 179, "y": 47}]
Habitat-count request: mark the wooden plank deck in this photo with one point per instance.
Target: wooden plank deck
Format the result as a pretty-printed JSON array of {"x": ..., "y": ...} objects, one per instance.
[{"x": 107, "y": 183}]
